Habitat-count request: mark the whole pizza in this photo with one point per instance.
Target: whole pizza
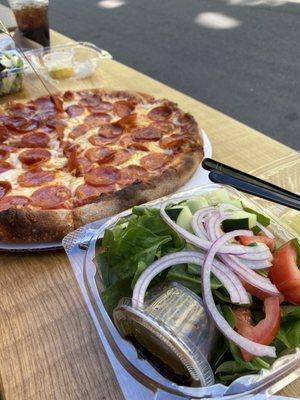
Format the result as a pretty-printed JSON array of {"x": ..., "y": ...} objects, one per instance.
[{"x": 86, "y": 155}]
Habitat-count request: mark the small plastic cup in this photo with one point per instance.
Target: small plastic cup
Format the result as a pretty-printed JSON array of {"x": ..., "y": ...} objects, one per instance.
[{"x": 60, "y": 64}]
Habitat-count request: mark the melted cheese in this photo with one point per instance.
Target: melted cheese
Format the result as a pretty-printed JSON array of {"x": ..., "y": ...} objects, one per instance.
[{"x": 58, "y": 159}]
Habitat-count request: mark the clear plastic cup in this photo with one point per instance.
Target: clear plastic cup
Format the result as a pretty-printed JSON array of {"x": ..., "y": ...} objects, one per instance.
[{"x": 32, "y": 19}]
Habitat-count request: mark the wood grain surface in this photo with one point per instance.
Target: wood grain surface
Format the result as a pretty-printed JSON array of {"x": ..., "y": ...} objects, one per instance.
[{"x": 49, "y": 348}]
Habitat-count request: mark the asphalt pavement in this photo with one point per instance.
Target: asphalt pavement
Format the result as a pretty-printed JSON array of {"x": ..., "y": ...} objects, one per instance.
[{"x": 241, "y": 57}]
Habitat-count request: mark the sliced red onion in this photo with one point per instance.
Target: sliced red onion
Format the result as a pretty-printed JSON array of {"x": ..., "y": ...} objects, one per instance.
[
  {"x": 232, "y": 284},
  {"x": 257, "y": 264},
  {"x": 244, "y": 343},
  {"x": 265, "y": 230},
  {"x": 197, "y": 221},
  {"x": 248, "y": 275},
  {"x": 243, "y": 268},
  {"x": 205, "y": 244},
  {"x": 214, "y": 231}
]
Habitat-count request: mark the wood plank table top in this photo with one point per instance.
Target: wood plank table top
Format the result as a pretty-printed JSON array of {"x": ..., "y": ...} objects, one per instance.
[{"x": 49, "y": 348}]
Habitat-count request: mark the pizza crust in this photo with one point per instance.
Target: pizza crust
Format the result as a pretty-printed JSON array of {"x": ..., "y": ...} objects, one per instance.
[{"x": 25, "y": 224}]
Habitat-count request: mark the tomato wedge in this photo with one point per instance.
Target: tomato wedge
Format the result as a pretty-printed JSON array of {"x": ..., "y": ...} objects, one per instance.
[
  {"x": 266, "y": 329},
  {"x": 254, "y": 291},
  {"x": 285, "y": 273},
  {"x": 246, "y": 240}
]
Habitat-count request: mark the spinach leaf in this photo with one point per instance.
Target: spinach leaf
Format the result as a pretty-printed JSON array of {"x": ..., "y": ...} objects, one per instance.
[
  {"x": 179, "y": 273},
  {"x": 111, "y": 295},
  {"x": 290, "y": 312},
  {"x": 289, "y": 333},
  {"x": 135, "y": 244},
  {"x": 107, "y": 273}
]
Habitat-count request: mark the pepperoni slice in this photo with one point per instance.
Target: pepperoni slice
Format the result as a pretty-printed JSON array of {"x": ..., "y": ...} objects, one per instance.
[
  {"x": 164, "y": 126},
  {"x": 68, "y": 95},
  {"x": 173, "y": 141},
  {"x": 154, "y": 161},
  {"x": 5, "y": 166},
  {"x": 186, "y": 119},
  {"x": 22, "y": 110},
  {"x": 55, "y": 123},
  {"x": 110, "y": 131},
  {"x": 4, "y": 133},
  {"x": 133, "y": 173},
  {"x": 78, "y": 165},
  {"x": 129, "y": 122},
  {"x": 45, "y": 104},
  {"x": 79, "y": 130},
  {"x": 8, "y": 149},
  {"x": 50, "y": 196},
  {"x": 123, "y": 108},
  {"x": 148, "y": 133},
  {"x": 34, "y": 156},
  {"x": 102, "y": 176},
  {"x": 11, "y": 201},
  {"x": 68, "y": 147},
  {"x": 121, "y": 156},
  {"x": 5, "y": 151},
  {"x": 20, "y": 124},
  {"x": 97, "y": 140},
  {"x": 87, "y": 194},
  {"x": 128, "y": 142},
  {"x": 89, "y": 100},
  {"x": 4, "y": 188},
  {"x": 103, "y": 106},
  {"x": 35, "y": 139},
  {"x": 138, "y": 146},
  {"x": 94, "y": 120},
  {"x": 100, "y": 154},
  {"x": 160, "y": 113},
  {"x": 74, "y": 110},
  {"x": 35, "y": 178},
  {"x": 3, "y": 154}
]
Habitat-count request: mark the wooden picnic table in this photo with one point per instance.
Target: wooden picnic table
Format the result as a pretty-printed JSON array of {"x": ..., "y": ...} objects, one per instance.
[{"x": 49, "y": 348}]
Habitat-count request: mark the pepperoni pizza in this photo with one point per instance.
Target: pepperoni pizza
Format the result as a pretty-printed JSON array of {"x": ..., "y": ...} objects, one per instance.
[{"x": 96, "y": 154}]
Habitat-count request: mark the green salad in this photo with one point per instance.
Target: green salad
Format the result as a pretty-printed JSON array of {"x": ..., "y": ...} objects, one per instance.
[
  {"x": 11, "y": 75},
  {"x": 268, "y": 315}
]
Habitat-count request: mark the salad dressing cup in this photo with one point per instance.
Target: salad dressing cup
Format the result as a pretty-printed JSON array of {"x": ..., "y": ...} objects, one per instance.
[{"x": 172, "y": 331}]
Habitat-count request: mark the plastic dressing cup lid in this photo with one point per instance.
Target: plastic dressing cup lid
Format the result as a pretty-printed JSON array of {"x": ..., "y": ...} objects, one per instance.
[{"x": 172, "y": 332}]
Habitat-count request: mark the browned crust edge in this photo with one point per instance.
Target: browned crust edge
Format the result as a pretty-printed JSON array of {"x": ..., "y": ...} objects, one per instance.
[
  {"x": 162, "y": 185},
  {"x": 25, "y": 225}
]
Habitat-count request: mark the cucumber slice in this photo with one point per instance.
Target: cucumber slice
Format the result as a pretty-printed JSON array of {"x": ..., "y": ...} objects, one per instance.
[
  {"x": 196, "y": 203},
  {"x": 217, "y": 196},
  {"x": 185, "y": 219},
  {"x": 229, "y": 225},
  {"x": 236, "y": 203},
  {"x": 239, "y": 220},
  {"x": 174, "y": 212}
]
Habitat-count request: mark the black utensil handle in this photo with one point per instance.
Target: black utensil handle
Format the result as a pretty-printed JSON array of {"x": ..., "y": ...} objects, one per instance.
[
  {"x": 210, "y": 164},
  {"x": 250, "y": 188}
]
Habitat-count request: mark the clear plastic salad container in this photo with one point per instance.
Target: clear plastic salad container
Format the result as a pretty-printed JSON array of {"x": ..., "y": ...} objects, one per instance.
[
  {"x": 138, "y": 378},
  {"x": 71, "y": 61},
  {"x": 11, "y": 72}
]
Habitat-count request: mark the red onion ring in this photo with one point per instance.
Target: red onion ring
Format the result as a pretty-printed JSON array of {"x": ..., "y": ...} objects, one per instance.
[
  {"x": 221, "y": 323},
  {"x": 232, "y": 284},
  {"x": 205, "y": 244}
]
